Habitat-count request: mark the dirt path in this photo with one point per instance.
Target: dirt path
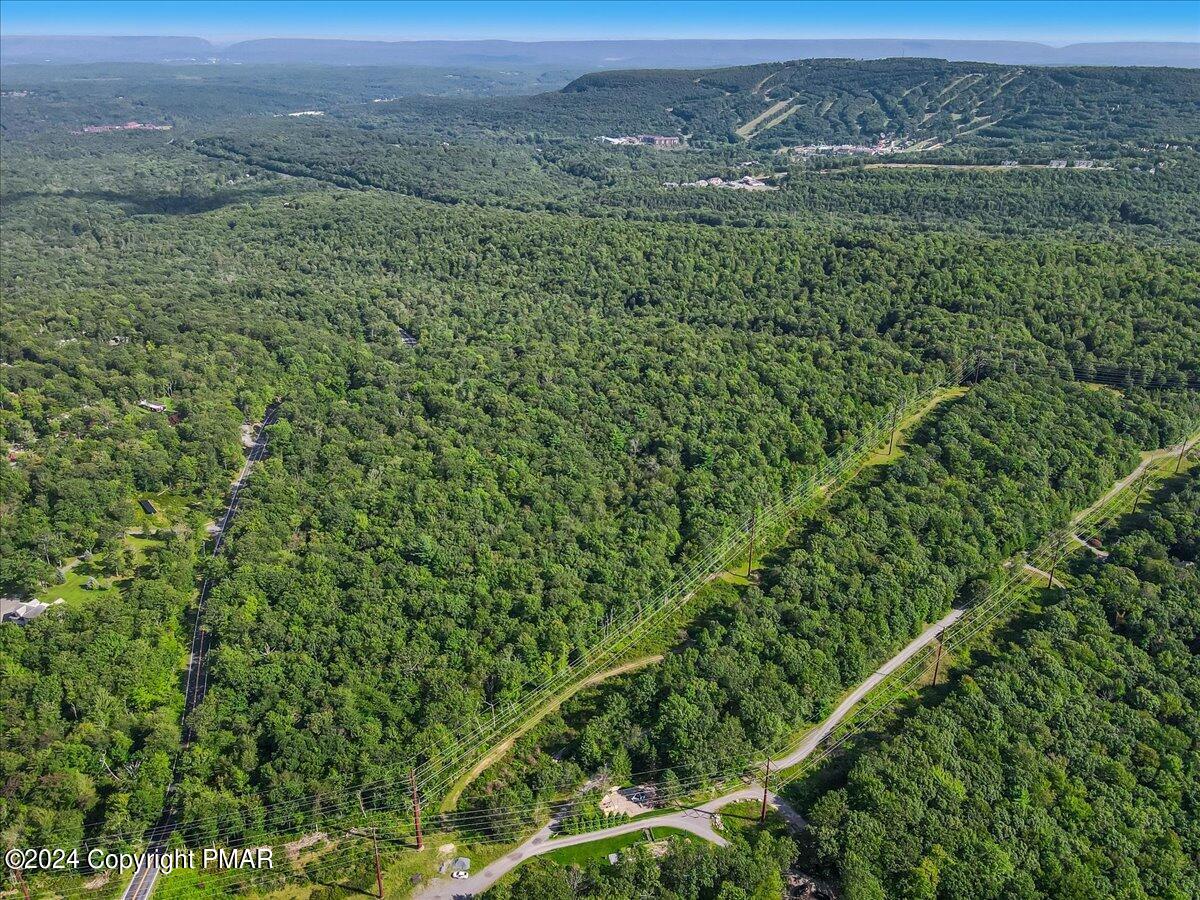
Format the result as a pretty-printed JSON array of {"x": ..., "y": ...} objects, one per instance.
[
  {"x": 1044, "y": 575},
  {"x": 1096, "y": 551},
  {"x": 497, "y": 753},
  {"x": 699, "y": 820},
  {"x": 883, "y": 454}
]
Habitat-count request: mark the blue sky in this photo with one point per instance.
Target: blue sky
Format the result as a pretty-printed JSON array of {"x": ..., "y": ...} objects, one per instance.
[{"x": 1049, "y": 21}]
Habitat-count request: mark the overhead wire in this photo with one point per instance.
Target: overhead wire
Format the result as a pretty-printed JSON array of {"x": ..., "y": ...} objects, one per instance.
[{"x": 809, "y": 487}]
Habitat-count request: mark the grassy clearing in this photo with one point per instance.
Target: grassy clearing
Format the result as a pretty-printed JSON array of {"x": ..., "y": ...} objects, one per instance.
[
  {"x": 170, "y": 509},
  {"x": 74, "y": 590},
  {"x": 497, "y": 753},
  {"x": 742, "y": 817},
  {"x": 343, "y": 869},
  {"x": 600, "y": 849},
  {"x": 888, "y": 452}
]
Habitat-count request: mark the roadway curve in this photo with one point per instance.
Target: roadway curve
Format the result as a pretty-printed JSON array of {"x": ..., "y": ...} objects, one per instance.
[
  {"x": 882, "y": 454},
  {"x": 698, "y": 819}
]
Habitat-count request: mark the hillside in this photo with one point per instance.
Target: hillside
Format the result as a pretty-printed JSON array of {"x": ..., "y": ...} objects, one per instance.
[
  {"x": 519, "y": 385},
  {"x": 933, "y": 102}
]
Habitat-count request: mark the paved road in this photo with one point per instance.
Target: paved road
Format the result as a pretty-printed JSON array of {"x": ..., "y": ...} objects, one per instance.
[
  {"x": 196, "y": 685},
  {"x": 699, "y": 819},
  {"x": 1148, "y": 459},
  {"x": 818, "y": 734}
]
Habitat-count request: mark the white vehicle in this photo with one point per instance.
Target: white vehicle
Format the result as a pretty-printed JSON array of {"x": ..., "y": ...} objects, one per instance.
[{"x": 460, "y": 875}]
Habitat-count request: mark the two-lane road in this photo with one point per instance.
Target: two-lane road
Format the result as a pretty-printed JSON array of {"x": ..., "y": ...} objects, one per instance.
[
  {"x": 196, "y": 683},
  {"x": 698, "y": 819}
]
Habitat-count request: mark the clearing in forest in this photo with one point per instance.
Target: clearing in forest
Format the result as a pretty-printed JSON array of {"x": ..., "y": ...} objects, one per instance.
[
  {"x": 747, "y": 130},
  {"x": 886, "y": 451}
]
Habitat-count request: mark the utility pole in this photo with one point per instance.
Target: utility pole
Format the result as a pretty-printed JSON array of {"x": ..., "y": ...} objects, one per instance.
[
  {"x": 762, "y": 816},
  {"x": 378, "y": 871},
  {"x": 892, "y": 444},
  {"x": 1182, "y": 450},
  {"x": 937, "y": 664},
  {"x": 1142, "y": 481},
  {"x": 1053, "y": 566},
  {"x": 20, "y": 879},
  {"x": 753, "y": 528},
  {"x": 412, "y": 778}
]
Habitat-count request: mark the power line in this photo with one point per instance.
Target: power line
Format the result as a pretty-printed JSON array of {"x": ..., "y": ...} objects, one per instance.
[
  {"x": 436, "y": 775},
  {"x": 881, "y": 698}
]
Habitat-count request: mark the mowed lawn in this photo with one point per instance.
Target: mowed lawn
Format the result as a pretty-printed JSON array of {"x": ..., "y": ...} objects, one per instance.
[{"x": 600, "y": 849}]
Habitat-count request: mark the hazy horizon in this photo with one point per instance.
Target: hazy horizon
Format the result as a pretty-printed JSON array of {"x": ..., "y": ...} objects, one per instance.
[{"x": 1054, "y": 23}]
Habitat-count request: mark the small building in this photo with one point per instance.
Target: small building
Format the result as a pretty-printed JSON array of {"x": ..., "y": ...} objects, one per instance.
[
  {"x": 1009, "y": 163},
  {"x": 1058, "y": 163},
  {"x": 153, "y": 407},
  {"x": 659, "y": 140},
  {"x": 147, "y": 507},
  {"x": 22, "y": 612}
]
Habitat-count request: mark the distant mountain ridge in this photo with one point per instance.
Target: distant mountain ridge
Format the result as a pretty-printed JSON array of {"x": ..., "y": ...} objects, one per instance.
[{"x": 580, "y": 55}]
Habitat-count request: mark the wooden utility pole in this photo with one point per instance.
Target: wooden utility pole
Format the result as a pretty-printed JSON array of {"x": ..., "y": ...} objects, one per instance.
[
  {"x": 20, "y": 879},
  {"x": 762, "y": 815},
  {"x": 1053, "y": 566},
  {"x": 378, "y": 871},
  {"x": 753, "y": 535},
  {"x": 1182, "y": 450},
  {"x": 412, "y": 778},
  {"x": 937, "y": 663},
  {"x": 892, "y": 443},
  {"x": 1142, "y": 481}
]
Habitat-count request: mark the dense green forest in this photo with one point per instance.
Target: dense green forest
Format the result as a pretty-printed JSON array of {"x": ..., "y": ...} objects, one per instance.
[
  {"x": 524, "y": 385},
  {"x": 45, "y": 101},
  {"x": 987, "y": 478},
  {"x": 751, "y": 866},
  {"x": 1063, "y": 766},
  {"x": 233, "y": 141}
]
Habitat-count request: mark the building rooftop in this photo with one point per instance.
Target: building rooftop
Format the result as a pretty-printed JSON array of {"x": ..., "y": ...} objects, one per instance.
[{"x": 21, "y": 611}]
